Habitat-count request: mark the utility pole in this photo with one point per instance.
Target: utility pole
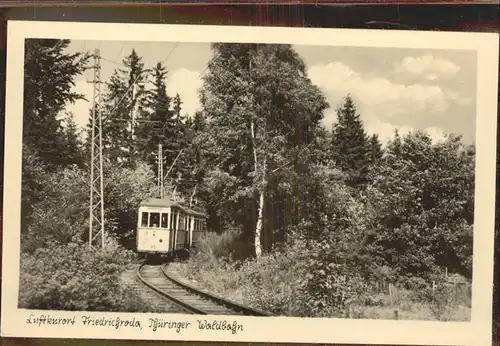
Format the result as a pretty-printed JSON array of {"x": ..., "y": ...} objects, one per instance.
[
  {"x": 160, "y": 171},
  {"x": 135, "y": 109},
  {"x": 96, "y": 209}
]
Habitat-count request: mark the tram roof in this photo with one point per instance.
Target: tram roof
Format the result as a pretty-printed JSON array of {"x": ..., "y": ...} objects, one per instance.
[{"x": 168, "y": 203}]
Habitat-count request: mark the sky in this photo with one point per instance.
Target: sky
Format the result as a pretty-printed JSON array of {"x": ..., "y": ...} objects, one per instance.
[{"x": 393, "y": 88}]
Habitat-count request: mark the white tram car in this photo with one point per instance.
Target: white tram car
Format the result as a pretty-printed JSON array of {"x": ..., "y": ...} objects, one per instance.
[{"x": 165, "y": 226}]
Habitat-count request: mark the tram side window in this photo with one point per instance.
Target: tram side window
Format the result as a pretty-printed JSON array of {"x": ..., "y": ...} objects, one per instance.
[
  {"x": 144, "y": 219},
  {"x": 174, "y": 222},
  {"x": 154, "y": 219},
  {"x": 181, "y": 222},
  {"x": 164, "y": 220}
]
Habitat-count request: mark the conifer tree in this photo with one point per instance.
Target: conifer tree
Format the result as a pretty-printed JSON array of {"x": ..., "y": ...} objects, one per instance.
[
  {"x": 160, "y": 126},
  {"x": 49, "y": 74},
  {"x": 73, "y": 142},
  {"x": 350, "y": 146},
  {"x": 177, "y": 108},
  {"x": 394, "y": 147},
  {"x": 199, "y": 123},
  {"x": 125, "y": 98},
  {"x": 181, "y": 173},
  {"x": 376, "y": 151}
]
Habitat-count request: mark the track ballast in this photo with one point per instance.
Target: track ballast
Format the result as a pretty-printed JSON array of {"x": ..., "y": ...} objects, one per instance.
[{"x": 186, "y": 297}]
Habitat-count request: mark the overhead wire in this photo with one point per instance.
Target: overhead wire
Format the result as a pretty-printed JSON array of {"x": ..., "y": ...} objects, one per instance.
[
  {"x": 137, "y": 77},
  {"x": 113, "y": 61}
]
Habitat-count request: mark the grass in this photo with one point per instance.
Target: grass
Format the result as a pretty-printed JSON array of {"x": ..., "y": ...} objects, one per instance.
[{"x": 277, "y": 283}]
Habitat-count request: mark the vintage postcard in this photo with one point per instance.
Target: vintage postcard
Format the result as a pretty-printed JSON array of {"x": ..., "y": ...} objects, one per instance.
[{"x": 171, "y": 182}]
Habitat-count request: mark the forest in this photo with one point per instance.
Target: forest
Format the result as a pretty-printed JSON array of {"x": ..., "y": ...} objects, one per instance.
[{"x": 303, "y": 220}]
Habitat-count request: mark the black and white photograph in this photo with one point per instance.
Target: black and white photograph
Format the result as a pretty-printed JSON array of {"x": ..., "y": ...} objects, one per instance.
[{"x": 248, "y": 181}]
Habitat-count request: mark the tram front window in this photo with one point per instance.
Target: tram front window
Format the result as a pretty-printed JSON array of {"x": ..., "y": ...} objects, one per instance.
[
  {"x": 144, "y": 219},
  {"x": 154, "y": 220}
]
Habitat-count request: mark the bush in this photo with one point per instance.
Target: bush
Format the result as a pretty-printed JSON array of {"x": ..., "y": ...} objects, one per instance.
[
  {"x": 307, "y": 279},
  {"x": 61, "y": 215},
  {"x": 447, "y": 296},
  {"x": 60, "y": 210},
  {"x": 272, "y": 283},
  {"x": 212, "y": 246},
  {"x": 72, "y": 277},
  {"x": 276, "y": 281}
]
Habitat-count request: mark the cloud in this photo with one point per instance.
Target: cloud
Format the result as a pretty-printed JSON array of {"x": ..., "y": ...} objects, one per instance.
[
  {"x": 386, "y": 130},
  {"x": 383, "y": 102},
  {"x": 337, "y": 79},
  {"x": 428, "y": 67},
  {"x": 436, "y": 134},
  {"x": 186, "y": 83}
]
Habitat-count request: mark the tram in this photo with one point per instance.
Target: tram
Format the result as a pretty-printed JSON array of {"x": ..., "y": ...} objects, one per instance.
[{"x": 165, "y": 226}]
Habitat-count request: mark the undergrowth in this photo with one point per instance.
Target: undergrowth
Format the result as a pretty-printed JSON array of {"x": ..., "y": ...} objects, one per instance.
[
  {"x": 72, "y": 277},
  {"x": 283, "y": 283}
]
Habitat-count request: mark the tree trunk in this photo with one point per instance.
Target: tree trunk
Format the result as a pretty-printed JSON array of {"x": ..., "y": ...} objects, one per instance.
[
  {"x": 258, "y": 227},
  {"x": 260, "y": 209},
  {"x": 260, "y": 212}
]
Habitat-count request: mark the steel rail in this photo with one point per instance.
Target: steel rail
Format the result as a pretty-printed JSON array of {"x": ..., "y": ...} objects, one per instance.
[
  {"x": 178, "y": 302},
  {"x": 219, "y": 300}
]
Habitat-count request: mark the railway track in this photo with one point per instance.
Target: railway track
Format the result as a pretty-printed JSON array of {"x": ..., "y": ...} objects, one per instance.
[{"x": 188, "y": 298}]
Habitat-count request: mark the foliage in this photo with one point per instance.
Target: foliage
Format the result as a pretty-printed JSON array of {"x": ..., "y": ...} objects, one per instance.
[
  {"x": 272, "y": 283},
  {"x": 70, "y": 277},
  {"x": 160, "y": 128},
  {"x": 49, "y": 74},
  {"x": 122, "y": 200},
  {"x": 376, "y": 151},
  {"x": 262, "y": 112},
  {"x": 212, "y": 248},
  {"x": 60, "y": 216},
  {"x": 282, "y": 283},
  {"x": 423, "y": 197},
  {"x": 125, "y": 95},
  {"x": 59, "y": 212},
  {"x": 350, "y": 149}
]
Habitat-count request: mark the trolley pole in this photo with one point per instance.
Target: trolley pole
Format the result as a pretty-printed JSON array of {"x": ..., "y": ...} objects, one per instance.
[{"x": 96, "y": 208}]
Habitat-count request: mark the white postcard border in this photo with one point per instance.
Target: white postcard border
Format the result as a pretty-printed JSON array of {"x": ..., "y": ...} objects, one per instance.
[{"x": 263, "y": 329}]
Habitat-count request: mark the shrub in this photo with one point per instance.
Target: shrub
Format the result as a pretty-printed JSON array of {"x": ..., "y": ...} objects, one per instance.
[
  {"x": 447, "y": 296},
  {"x": 307, "y": 278},
  {"x": 271, "y": 283},
  {"x": 72, "y": 277},
  {"x": 58, "y": 215},
  {"x": 212, "y": 247},
  {"x": 275, "y": 282},
  {"x": 60, "y": 210}
]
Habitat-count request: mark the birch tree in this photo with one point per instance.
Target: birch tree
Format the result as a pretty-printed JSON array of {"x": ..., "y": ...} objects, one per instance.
[{"x": 262, "y": 113}]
